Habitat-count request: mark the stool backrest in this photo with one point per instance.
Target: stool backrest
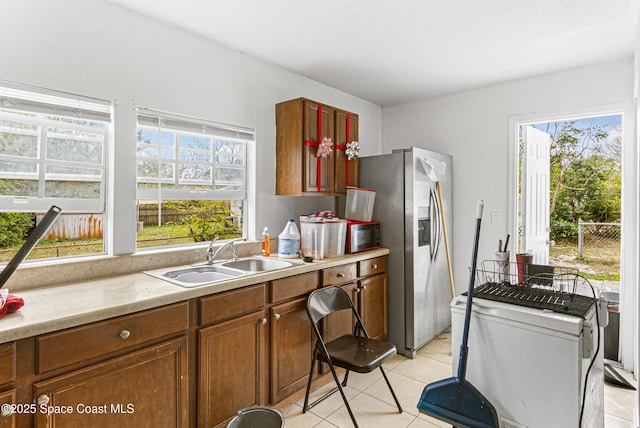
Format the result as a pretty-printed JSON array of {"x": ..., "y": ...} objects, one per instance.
[{"x": 327, "y": 300}]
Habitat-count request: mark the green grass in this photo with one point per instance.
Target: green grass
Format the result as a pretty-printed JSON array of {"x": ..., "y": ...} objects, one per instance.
[
  {"x": 167, "y": 230},
  {"x": 150, "y": 236},
  {"x": 165, "y": 235},
  {"x": 599, "y": 261}
]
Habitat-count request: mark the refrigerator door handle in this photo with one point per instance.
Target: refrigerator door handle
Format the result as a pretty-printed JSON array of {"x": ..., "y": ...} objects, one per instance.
[{"x": 434, "y": 208}]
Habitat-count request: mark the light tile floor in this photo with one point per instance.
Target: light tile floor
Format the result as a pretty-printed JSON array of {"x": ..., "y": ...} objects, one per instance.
[{"x": 374, "y": 407}]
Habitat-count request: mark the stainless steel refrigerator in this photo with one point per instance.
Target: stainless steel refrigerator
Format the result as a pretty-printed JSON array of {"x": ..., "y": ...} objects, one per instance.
[{"x": 410, "y": 210}]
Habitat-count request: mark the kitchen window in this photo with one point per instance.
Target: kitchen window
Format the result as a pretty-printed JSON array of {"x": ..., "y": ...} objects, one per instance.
[
  {"x": 52, "y": 152},
  {"x": 191, "y": 179}
]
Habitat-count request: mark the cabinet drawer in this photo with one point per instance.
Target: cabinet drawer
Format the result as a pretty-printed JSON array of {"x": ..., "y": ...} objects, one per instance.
[
  {"x": 75, "y": 345},
  {"x": 227, "y": 305},
  {"x": 293, "y": 286},
  {"x": 7, "y": 363},
  {"x": 373, "y": 266},
  {"x": 339, "y": 274}
]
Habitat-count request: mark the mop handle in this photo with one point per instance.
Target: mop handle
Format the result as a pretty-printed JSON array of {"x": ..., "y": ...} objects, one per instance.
[{"x": 462, "y": 364}]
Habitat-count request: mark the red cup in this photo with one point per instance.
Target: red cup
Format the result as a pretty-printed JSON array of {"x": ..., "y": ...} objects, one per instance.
[{"x": 522, "y": 260}]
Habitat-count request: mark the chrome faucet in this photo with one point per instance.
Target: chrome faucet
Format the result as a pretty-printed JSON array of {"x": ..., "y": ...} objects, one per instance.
[{"x": 211, "y": 255}]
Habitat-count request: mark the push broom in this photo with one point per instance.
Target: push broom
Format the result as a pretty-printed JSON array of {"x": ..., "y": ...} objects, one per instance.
[{"x": 456, "y": 400}]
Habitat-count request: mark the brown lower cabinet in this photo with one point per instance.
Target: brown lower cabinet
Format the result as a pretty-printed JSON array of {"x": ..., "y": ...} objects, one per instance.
[
  {"x": 372, "y": 305},
  {"x": 291, "y": 348},
  {"x": 144, "y": 388},
  {"x": 7, "y": 384},
  {"x": 232, "y": 371},
  {"x": 192, "y": 363},
  {"x": 368, "y": 291}
]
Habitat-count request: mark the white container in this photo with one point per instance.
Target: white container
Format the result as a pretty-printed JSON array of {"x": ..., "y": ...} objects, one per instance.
[
  {"x": 289, "y": 241},
  {"x": 359, "y": 204},
  {"x": 312, "y": 236},
  {"x": 335, "y": 236}
]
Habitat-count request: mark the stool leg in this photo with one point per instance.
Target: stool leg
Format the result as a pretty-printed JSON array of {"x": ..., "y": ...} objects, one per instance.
[
  {"x": 306, "y": 396},
  {"x": 391, "y": 389},
  {"x": 346, "y": 377}
]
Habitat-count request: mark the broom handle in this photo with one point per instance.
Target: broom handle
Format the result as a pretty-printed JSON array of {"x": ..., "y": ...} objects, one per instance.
[
  {"x": 462, "y": 364},
  {"x": 446, "y": 241}
]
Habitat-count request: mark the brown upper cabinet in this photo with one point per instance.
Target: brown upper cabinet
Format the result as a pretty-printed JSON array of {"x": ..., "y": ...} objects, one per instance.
[{"x": 301, "y": 125}]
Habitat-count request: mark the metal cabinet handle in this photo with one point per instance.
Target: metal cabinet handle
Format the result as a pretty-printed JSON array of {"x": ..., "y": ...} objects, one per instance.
[
  {"x": 364, "y": 287},
  {"x": 263, "y": 321},
  {"x": 43, "y": 400},
  {"x": 276, "y": 316},
  {"x": 357, "y": 289},
  {"x": 341, "y": 275},
  {"x": 124, "y": 334},
  {"x": 375, "y": 266}
]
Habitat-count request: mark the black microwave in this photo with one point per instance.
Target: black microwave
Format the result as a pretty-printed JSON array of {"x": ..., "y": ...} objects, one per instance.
[{"x": 362, "y": 235}]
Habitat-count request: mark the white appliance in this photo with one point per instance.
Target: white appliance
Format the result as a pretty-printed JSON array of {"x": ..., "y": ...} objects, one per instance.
[
  {"x": 531, "y": 364},
  {"x": 409, "y": 209}
]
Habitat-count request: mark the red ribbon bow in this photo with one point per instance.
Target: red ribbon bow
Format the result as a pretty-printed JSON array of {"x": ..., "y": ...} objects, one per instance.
[{"x": 344, "y": 148}]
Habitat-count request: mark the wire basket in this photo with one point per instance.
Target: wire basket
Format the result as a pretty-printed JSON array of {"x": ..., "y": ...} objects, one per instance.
[{"x": 553, "y": 278}]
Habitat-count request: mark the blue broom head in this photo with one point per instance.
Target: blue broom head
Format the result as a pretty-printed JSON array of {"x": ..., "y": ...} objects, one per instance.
[{"x": 459, "y": 403}]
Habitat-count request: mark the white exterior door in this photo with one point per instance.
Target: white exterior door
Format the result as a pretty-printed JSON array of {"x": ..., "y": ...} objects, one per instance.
[{"x": 535, "y": 193}]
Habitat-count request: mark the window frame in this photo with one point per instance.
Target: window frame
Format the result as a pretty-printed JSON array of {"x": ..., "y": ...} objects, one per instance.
[
  {"x": 181, "y": 125},
  {"x": 118, "y": 188},
  {"x": 27, "y": 106}
]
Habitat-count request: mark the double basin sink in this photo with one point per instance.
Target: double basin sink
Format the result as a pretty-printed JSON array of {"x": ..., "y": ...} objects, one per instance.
[{"x": 203, "y": 274}]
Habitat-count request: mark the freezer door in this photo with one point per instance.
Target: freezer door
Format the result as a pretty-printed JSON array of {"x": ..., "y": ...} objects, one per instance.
[
  {"x": 428, "y": 292},
  {"x": 384, "y": 173}
]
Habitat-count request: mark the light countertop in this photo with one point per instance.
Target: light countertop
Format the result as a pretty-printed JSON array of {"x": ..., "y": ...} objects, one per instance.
[{"x": 66, "y": 305}]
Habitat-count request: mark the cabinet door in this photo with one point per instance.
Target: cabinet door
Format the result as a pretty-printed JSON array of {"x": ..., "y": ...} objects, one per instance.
[
  {"x": 317, "y": 124},
  {"x": 346, "y": 170},
  {"x": 291, "y": 348},
  {"x": 146, "y": 388},
  {"x": 374, "y": 305},
  {"x": 7, "y": 418},
  {"x": 232, "y": 368}
]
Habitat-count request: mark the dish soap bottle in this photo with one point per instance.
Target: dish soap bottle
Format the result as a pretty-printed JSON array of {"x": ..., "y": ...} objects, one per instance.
[
  {"x": 289, "y": 241},
  {"x": 266, "y": 243}
]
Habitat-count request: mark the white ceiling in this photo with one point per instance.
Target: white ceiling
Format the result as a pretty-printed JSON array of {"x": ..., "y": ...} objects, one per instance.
[{"x": 395, "y": 51}]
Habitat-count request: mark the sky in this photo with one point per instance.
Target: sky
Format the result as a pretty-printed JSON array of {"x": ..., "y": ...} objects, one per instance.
[{"x": 612, "y": 124}]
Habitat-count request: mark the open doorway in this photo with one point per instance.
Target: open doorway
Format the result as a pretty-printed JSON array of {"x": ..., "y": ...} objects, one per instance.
[
  {"x": 570, "y": 234},
  {"x": 570, "y": 195}
]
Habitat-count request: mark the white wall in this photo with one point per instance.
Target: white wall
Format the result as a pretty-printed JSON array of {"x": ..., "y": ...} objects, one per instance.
[
  {"x": 94, "y": 48},
  {"x": 474, "y": 127}
]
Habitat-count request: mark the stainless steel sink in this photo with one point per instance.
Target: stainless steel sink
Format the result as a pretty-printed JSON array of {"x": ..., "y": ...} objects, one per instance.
[
  {"x": 195, "y": 276},
  {"x": 255, "y": 264},
  {"x": 203, "y": 274}
]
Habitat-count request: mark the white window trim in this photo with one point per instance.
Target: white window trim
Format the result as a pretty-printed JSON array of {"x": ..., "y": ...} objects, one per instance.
[
  {"x": 186, "y": 125},
  {"x": 35, "y": 100}
]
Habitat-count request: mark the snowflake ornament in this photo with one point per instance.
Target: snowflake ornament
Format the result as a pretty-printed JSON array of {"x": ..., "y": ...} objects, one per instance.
[{"x": 352, "y": 150}]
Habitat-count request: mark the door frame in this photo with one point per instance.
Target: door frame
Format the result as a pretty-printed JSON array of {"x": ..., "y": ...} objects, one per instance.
[{"x": 629, "y": 246}]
